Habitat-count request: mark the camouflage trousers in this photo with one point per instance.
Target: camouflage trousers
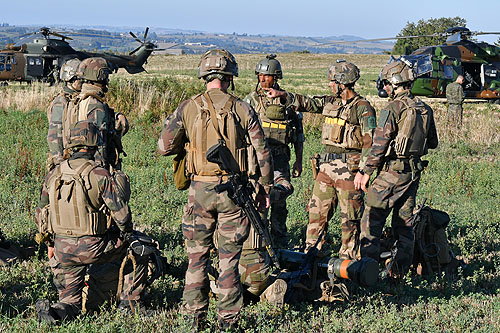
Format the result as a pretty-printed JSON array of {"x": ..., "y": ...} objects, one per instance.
[
  {"x": 205, "y": 214},
  {"x": 73, "y": 256},
  {"x": 334, "y": 185},
  {"x": 281, "y": 191},
  {"x": 455, "y": 114},
  {"x": 391, "y": 191},
  {"x": 255, "y": 270}
]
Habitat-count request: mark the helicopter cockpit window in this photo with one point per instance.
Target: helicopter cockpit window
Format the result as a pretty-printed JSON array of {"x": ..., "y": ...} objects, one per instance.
[
  {"x": 448, "y": 72},
  {"x": 424, "y": 65},
  {"x": 2, "y": 58},
  {"x": 2, "y": 66}
]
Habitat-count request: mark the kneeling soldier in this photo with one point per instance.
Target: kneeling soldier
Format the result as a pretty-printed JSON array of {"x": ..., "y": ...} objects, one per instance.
[{"x": 79, "y": 203}]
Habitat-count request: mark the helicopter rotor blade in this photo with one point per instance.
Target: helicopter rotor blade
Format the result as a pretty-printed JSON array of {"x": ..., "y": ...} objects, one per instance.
[
  {"x": 135, "y": 37},
  {"x": 372, "y": 40},
  {"x": 146, "y": 34},
  {"x": 135, "y": 50},
  {"x": 485, "y": 33}
]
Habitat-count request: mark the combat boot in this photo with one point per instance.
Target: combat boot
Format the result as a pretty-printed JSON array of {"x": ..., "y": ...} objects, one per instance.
[
  {"x": 275, "y": 293},
  {"x": 229, "y": 326},
  {"x": 199, "y": 322},
  {"x": 45, "y": 313},
  {"x": 130, "y": 307}
]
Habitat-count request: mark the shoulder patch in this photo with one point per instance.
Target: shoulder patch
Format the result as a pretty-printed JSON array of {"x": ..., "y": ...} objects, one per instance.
[
  {"x": 372, "y": 122},
  {"x": 384, "y": 114}
]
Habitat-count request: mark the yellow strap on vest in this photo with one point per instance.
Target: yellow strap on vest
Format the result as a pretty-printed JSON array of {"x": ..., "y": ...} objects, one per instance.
[
  {"x": 273, "y": 125},
  {"x": 332, "y": 121}
]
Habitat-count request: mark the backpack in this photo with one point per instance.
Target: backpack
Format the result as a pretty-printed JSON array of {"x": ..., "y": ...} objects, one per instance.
[
  {"x": 203, "y": 136},
  {"x": 75, "y": 206},
  {"x": 432, "y": 252},
  {"x": 411, "y": 139}
]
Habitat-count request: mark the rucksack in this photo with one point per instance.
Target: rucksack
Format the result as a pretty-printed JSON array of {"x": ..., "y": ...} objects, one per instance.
[
  {"x": 75, "y": 208},
  {"x": 432, "y": 252}
]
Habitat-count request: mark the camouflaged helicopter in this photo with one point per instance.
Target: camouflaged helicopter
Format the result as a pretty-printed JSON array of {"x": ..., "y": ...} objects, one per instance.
[
  {"x": 436, "y": 66},
  {"x": 41, "y": 59}
]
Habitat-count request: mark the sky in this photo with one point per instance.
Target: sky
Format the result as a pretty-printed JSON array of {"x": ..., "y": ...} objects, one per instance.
[{"x": 310, "y": 18}]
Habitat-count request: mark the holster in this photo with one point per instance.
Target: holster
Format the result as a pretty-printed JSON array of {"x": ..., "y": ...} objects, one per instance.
[{"x": 315, "y": 163}]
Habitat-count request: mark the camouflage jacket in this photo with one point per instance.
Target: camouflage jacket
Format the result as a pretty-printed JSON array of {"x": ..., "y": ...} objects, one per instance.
[
  {"x": 390, "y": 118},
  {"x": 177, "y": 127},
  {"x": 360, "y": 112},
  {"x": 455, "y": 93},
  {"x": 55, "y": 116},
  {"x": 91, "y": 98},
  {"x": 108, "y": 192},
  {"x": 258, "y": 99}
]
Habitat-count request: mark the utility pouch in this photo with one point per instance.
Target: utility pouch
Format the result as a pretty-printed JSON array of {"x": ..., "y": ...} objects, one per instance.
[
  {"x": 181, "y": 177},
  {"x": 275, "y": 112},
  {"x": 353, "y": 162},
  {"x": 397, "y": 165},
  {"x": 337, "y": 130}
]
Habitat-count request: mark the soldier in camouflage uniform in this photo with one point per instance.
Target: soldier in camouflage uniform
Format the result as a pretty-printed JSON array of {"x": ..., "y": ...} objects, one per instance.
[
  {"x": 190, "y": 128},
  {"x": 90, "y": 104},
  {"x": 455, "y": 96},
  {"x": 347, "y": 136},
  {"x": 281, "y": 118},
  {"x": 78, "y": 200},
  {"x": 405, "y": 131},
  {"x": 55, "y": 112}
]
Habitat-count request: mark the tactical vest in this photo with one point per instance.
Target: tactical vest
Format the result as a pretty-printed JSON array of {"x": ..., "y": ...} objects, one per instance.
[
  {"x": 340, "y": 129},
  {"x": 203, "y": 136},
  {"x": 276, "y": 122},
  {"x": 75, "y": 205},
  {"x": 414, "y": 125}
]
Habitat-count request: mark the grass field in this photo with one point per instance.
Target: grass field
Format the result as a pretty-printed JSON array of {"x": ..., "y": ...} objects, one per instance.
[{"x": 463, "y": 178}]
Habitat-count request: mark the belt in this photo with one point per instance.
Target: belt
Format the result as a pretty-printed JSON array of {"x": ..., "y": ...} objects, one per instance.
[
  {"x": 327, "y": 157},
  {"x": 212, "y": 179},
  {"x": 273, "y": 125}
]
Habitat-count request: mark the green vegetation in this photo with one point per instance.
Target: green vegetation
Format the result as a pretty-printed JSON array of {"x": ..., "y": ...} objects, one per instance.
[
  {"x": 463, "y": 179},
  {"x": 425, "y": 28}
]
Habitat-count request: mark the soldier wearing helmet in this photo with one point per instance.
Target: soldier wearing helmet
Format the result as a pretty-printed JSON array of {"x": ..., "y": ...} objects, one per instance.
[
  {"x": 281, "y": 118},
  {"x": 405, "y": 131},
  {"x": 76, "y": 197},
  {"x": 347, "y": 132},
  {"x": 198, "y": 124},
  {"x": 72, "y": 86},
  {"x": 90, "y": 104}
]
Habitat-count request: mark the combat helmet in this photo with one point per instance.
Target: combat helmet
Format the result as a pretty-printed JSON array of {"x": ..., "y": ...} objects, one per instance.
[
  {"x": 69, "y": 70},
  {"x": 343, "y": 72},
  {"x": 217, "y": 61},
  {"x": 269, "y": 66},
  {"x": 83, "y": 134},
  {"x": 398, "y": 72},
  {"x": 94, "y": 69}
]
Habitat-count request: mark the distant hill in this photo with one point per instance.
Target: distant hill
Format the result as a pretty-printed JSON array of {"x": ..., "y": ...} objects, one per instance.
[{"x": 117, "y": 39}]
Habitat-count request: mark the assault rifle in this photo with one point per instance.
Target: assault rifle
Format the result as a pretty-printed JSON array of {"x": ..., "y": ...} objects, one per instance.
[{"x": 240, "y": 193}]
